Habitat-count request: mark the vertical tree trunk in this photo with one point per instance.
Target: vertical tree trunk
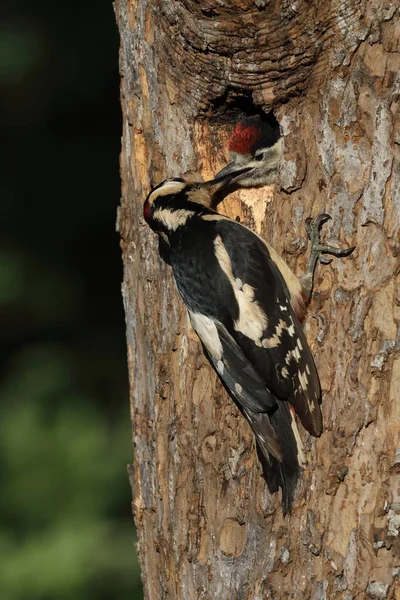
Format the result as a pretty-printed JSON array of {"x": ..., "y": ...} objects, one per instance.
[{"x": 207, "y": 526}]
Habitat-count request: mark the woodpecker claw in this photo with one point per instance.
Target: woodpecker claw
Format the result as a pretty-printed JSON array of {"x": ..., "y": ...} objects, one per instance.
[
  {"x": 318, "y": 250},
  {"x": 325, "y": 261},
  {"x": 313, "y": 226}
]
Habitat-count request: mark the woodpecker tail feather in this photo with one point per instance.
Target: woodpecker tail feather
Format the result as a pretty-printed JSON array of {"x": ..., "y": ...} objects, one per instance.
[
  {"x": 284, "y": 423},
  {"x": 277, "y": 472}
]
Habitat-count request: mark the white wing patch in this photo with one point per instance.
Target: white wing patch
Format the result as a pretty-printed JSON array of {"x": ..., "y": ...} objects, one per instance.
[
  {"x": 208, "y": 333},
  {"x": 252, "y": 320}
]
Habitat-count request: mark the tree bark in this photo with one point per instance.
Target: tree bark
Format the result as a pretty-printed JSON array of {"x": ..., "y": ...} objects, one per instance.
[{"x": 207, "y": 525}]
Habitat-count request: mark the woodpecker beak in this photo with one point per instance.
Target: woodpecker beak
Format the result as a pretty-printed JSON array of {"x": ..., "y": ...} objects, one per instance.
[{"x": 228, "y": 175}]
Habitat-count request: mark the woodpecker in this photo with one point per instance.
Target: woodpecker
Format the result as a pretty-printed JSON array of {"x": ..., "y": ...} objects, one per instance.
[
  {"x": 243, "y": 302},
  {"x": 254, "y": 143}
]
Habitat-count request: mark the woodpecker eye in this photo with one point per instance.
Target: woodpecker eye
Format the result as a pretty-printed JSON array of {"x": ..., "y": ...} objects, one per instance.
[{"x": 259, "y": 157}]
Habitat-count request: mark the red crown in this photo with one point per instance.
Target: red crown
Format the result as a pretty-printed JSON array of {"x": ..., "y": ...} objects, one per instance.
[{"x": 244, "y": 138}]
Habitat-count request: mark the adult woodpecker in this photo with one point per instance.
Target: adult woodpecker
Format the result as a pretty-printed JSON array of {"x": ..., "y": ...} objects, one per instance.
[
  {"x": 257, "y": 144},
  {"x": 243, "y": 303}
]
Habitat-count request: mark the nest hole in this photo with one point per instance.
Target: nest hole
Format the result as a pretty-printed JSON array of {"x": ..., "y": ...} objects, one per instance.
[{"x": 234, "y": 105}]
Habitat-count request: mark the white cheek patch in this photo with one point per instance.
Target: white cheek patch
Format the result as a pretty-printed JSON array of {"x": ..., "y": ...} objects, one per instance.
[
  {"x": 273, "y": 154},
  {"x": 252, "y": 320},
  {"x": 242, "y": 159},
  {"x": 172, "y": 219},
  {"x": 208, "y": 333}
]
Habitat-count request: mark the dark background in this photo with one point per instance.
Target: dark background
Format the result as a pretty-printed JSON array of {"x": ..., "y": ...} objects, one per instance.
[{"x": 66, "y": 529}]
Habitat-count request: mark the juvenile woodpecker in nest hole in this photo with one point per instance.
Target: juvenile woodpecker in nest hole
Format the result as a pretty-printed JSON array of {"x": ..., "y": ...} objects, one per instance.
[
  {"x": 256, "y": 144},
  {"x": 244, "y": 304}
]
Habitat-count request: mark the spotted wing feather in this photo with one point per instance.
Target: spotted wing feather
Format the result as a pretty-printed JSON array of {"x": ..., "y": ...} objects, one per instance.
[{"x": 281, "y": 355}]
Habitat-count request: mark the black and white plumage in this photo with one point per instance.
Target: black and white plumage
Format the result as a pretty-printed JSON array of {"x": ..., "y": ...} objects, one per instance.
[
  {"x": 241, "y": 301},
  {"x": 255, "y": 143}
]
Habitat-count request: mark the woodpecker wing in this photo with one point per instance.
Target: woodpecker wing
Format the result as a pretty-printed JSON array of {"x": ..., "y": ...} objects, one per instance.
[
  {"x": 234, "y": 368},
  {"x": 240, "y": 378},
  {"x": 275, "y": 430},
  {"x": 267, "y": 329}
]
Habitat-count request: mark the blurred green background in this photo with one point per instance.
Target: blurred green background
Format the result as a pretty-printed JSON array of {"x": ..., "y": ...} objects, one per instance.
[{"x": 65, "y": 436}]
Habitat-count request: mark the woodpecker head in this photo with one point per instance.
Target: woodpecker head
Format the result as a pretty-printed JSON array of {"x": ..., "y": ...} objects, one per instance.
[
  {"x": 257, "y": 145},
  {"x": 171, "y": 203}
]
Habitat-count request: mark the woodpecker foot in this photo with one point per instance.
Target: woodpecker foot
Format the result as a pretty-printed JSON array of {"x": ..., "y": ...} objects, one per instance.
[{"x": 318, "y": 251}]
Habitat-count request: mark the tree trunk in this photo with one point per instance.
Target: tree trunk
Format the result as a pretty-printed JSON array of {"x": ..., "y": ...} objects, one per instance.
[{"x": 208, "y": 527}]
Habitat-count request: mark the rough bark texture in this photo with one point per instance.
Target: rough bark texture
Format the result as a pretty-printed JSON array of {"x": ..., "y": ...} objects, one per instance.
[{"x": 207, "y": 526}]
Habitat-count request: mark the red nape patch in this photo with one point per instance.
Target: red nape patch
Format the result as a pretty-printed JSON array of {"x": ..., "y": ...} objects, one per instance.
[
  {"x": 243, "y": 138},
  {"x": 146, "y": 211}
]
